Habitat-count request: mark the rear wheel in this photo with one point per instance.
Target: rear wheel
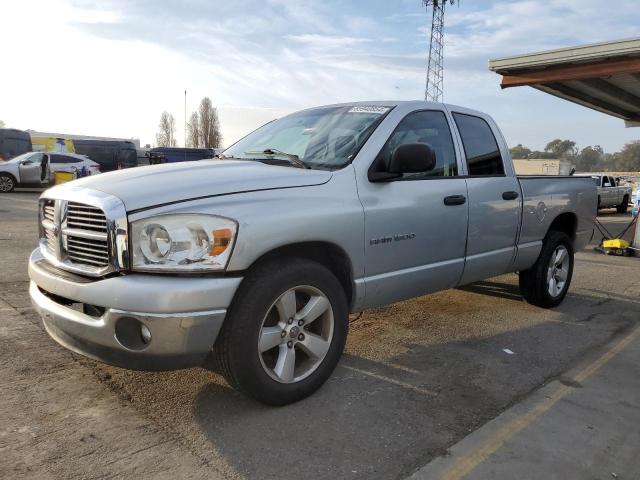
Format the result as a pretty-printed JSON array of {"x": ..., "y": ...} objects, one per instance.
[
  {"x": 7, "y": 183},
  {"x": 622, "y": 208},
  {"x": 546, "y": 283},
  {"x": 285, "y": 332}
]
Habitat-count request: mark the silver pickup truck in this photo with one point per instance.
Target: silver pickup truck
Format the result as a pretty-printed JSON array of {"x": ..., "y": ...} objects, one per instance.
[
  {"x": 610, "y": 195},
  {"x": 253, "y": 262}
]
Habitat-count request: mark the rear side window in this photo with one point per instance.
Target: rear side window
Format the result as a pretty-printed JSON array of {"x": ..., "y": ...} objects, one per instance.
[
  {"x": 430, "y": 127},
  {"x": 63, "y": 159},
  {"x": 480, "y": 146}
]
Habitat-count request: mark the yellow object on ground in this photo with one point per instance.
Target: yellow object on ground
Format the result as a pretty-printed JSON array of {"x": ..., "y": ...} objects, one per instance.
[
  {"x": 62, "y": 177},
  {"x": 615, "y": 243}
]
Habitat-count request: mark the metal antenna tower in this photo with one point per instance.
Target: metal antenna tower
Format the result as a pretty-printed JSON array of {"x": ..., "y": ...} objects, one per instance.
[{"x": 435, "y": 77}]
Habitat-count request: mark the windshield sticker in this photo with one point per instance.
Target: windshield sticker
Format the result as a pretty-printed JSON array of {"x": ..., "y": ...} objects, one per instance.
[{"x": 369, "y": 109}]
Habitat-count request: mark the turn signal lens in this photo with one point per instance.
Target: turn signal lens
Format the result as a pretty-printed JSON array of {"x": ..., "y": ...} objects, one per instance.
[{"x": 221, "y": 240}]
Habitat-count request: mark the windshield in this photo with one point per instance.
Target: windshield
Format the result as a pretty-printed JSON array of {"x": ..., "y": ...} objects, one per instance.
[
  {"x": 326, "y": 137},
  {"x": 20, "y": 158}
]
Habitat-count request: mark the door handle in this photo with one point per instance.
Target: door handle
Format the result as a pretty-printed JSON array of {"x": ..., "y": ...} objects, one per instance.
[
  {"x": 455, "y": 200},
  {"x": 510, "y": 195}
]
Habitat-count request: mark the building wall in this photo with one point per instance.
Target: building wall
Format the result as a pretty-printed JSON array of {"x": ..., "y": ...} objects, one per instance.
[{"x": 542, "y": 166}]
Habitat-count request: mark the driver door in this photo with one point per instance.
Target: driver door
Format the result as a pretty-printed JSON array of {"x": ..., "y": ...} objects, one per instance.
[
  {"x": 416, "y": 225},
  {"x": 30, "y": 170}
]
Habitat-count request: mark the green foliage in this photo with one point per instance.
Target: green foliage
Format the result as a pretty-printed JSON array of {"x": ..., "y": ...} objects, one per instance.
[
  {"x": 628, "y": 159},
  {"x": 589, "y": 159},
  {"x": 519, "y": 152},
  {"x": 561, "y": 148},
  {"x": 1, "y": 124}
]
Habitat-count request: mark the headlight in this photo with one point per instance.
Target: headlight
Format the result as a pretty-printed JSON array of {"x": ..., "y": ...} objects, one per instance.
[{"x": 182, "y": 243}]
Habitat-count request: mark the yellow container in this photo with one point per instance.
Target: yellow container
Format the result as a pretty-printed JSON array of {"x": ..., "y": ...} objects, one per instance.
[
  {"x": 616, "y": 243},
  {"x": 63, "y": 177}
]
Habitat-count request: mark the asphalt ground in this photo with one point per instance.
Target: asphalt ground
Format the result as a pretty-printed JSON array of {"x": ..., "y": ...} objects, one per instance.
[{"x": 417, "y": 377}]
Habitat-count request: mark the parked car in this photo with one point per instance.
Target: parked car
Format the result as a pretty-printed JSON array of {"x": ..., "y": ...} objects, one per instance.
[
  {"x": 35, "y": 169},
  {"x": 30, "y": 169},
  {"x": 73, "y": 163},
  {"x": 109, "y": 154},
  {"x": 610, "y": 194},
  {"x": 173, "y": 154},
  {"x": 13, "y": 143},
  {"x": 255, "y": 260}
]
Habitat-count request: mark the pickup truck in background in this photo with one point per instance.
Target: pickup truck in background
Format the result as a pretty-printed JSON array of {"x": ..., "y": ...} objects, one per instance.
[
  {"x": 253, "y": 262},
  {"x": 610, "y": 195}
]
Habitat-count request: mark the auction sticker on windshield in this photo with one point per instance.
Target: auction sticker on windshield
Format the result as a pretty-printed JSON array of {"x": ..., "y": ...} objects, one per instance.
[{"x": 369, "y": 109}]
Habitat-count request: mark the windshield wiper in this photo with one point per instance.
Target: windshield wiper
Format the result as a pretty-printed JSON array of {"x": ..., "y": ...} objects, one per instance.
[{"x": 291, "y": 157}]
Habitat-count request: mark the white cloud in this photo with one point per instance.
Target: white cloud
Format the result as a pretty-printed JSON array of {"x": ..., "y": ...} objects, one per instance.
[{"x": 111, "y": 67}]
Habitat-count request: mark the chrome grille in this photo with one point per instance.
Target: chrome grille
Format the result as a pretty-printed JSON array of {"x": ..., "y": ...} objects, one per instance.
[
  {"x": 82, "y": 246},
  {"x": 48, "y": 213},
  {"x": 85, "y": 250},
  {"x": 86, "y": 217},
  {"x": 84, "y": 237}
]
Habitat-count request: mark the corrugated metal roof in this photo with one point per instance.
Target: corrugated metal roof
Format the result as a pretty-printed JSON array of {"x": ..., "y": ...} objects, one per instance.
[{"x": 603, "y": 76}]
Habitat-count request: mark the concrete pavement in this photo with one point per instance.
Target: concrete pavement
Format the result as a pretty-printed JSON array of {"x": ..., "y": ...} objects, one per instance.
[
  {"x": 417, "y": 378},
  {"x": 583, "y": 425}
]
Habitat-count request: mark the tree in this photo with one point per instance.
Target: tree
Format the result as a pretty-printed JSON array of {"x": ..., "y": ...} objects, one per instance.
[
  {"x": 590, "y": 159},
  {"x": 193, "y": 131},
  {"x": 628, "y": 159},
  {"x": 209, "y": 131},
  {"x": 561, "y": 148},
  {"x": 519, "y": 152},
  {"x": 1, "y": 124},
  {"x": 166, "y": 136}
]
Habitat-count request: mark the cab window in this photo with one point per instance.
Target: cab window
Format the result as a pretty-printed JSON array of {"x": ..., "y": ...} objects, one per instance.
[
  {"x": 429, "y": 127},
  {"x": 480, "y": 146}
]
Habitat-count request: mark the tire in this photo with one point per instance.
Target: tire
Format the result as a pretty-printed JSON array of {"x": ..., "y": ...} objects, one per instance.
[
  {"x": 7, "y": 183},
  {"x": 544, "y": 284},
  {"x": 599, "y": 207},
  {"x": 259, "y": 318},
  {"x": 622, "y": 208}
]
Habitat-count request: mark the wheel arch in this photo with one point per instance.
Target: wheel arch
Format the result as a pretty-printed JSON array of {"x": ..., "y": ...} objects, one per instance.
[
  {"x": 326, "y": 253},
  {"x": 9, "y": 174},
  {"x": 567, "y": 223},
  {"x": 15, "y": 179}
]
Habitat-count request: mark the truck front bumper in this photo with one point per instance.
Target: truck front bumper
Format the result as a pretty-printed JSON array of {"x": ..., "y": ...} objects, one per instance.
[{"x": 136, "y": 321}]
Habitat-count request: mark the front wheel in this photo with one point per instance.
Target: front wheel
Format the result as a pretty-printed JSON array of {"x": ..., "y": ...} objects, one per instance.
[
  {"x": 7, "y": 183},
  {"x": 546, "y": 283},
  {"x": 285, "y": 331}
]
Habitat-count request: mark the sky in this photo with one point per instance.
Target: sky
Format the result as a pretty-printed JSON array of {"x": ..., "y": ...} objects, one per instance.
[{"x": 110, "y": 67}]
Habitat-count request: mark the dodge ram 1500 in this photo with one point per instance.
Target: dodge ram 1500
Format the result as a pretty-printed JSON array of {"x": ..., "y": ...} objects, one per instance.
[{"x": 254, "y": 261}]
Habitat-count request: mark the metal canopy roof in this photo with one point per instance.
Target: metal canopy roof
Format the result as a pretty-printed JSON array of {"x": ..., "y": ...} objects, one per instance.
[{"x": 603, "y": 76}]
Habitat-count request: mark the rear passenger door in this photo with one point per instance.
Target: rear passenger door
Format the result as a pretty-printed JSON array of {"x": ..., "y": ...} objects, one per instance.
[{"x": 494, "y": 199}]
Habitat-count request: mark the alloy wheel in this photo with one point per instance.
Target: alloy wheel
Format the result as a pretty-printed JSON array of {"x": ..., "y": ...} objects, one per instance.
[
  {"x": 558, "y": 271},
  {"x": 296, "y": 334},
  {"x": 6, "y": 184}
]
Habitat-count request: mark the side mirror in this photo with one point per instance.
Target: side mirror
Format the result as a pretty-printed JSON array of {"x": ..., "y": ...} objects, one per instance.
[
  {"x": 26, "y": 162},
  {"x": 412, "y": 158}
]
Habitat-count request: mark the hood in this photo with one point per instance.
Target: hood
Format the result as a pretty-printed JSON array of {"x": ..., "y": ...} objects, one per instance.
[{"x": 145, "y": 187}]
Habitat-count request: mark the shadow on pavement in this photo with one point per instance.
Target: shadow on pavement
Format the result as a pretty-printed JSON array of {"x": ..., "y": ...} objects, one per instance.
[{"x": 385, "y": 419}]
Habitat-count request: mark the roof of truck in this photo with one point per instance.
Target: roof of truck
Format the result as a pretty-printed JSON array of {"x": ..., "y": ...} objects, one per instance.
[{"x": 415, "y": 104}]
